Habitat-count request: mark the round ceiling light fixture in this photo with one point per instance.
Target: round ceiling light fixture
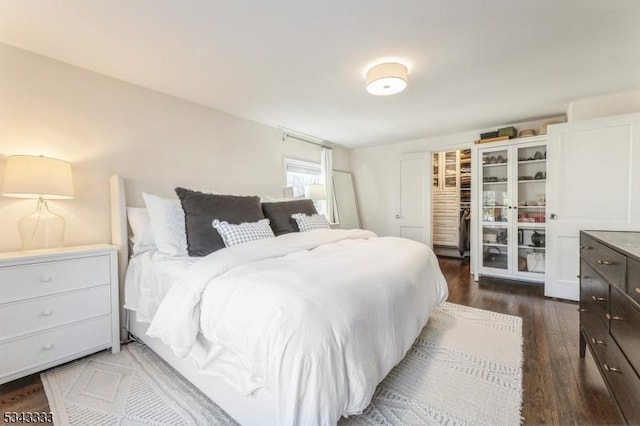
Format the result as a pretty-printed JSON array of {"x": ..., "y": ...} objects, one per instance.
[{"x": 387, "y": 79}]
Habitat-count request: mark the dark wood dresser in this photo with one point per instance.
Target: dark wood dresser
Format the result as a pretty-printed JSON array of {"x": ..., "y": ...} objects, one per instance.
[{"x": 610, "y": 312}]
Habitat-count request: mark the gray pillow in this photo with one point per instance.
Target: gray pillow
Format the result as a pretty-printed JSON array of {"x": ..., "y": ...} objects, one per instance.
[
  {"x": 201, "y": 209},
  {"x": 279, "y": 214}
]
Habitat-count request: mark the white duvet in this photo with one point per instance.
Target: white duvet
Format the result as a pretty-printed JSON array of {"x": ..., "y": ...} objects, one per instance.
[{"x": 320, "y": 318}]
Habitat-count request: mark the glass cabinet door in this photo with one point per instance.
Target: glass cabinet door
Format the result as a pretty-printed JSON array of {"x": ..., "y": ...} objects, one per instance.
[
  {"x": 451, "y": 169},
  {"x": 435, "y": 166},
  {"x": 495, "y": 208},
  {"x": 531, "y": 208}
]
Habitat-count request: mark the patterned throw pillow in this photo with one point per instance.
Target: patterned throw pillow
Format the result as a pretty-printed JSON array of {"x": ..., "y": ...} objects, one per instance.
[
  {"x": 309, "y": 223},
  {"x": 247, "y": 231}
]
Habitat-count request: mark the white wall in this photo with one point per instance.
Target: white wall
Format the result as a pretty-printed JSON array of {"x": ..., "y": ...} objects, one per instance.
[
  {"x": 603, "y": 106},
  {"x": 376, "y": 172},
  {"x": 104, "y": 126}
]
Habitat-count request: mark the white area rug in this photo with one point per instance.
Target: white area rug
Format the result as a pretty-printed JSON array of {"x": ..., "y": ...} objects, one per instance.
[{"x": 465, "y": 368}]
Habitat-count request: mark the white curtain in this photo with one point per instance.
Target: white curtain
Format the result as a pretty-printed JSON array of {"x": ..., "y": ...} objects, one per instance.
[{"x": 326, "y": 166}]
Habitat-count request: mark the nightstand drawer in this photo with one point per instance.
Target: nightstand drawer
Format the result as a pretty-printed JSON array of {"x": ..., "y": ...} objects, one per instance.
[
  {"x": 42, "y": 279},
  {"x": 33, "y": 315},
  {"x": 42, "y": 350}
]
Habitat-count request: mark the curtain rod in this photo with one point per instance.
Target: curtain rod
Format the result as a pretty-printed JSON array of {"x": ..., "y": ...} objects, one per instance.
[{"x": 286, "y": 135}]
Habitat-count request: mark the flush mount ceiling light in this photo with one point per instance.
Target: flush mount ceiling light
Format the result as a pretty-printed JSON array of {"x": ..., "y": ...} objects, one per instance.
[{"x": 387, "y": 79}]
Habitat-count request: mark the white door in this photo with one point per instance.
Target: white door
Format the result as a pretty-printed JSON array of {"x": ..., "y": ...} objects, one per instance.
[
  {"x": 593, "y": 183},
  {"x": 413, "y": 218}
]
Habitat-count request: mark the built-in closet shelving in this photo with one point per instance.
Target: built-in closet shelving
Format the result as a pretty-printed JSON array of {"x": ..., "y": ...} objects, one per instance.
[{"x": 451, "y": 195}]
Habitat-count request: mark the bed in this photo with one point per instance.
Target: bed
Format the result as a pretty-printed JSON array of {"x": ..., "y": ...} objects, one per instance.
[{"x": 296, "y": 329}]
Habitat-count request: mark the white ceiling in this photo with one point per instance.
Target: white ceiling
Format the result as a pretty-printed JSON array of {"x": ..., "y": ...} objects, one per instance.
[{"x": 301, "y": 64}]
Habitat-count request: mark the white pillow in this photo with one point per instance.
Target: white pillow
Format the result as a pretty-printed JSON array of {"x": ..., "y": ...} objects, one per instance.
[
  {"x": 140, "y": 223},
  {"x": 247, "y": 231},
  {"x": 309, "y": 223},
  {"x": 167, "y": 222}
]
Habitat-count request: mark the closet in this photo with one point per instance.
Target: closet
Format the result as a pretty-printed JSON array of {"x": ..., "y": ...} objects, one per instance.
[{"x": 451, "y": 201}]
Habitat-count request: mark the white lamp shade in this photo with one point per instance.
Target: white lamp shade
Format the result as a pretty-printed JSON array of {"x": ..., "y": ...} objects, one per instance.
[
  {"x": 315, "y": 192},
  {"x": 387, "y": 79},
  {"x": 37, "y": 177}
]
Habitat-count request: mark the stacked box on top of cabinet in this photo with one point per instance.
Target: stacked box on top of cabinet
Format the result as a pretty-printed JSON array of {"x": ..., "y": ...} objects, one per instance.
[
  {"x": 610, "y": 312},
  {"x": 55, "y": 306}
]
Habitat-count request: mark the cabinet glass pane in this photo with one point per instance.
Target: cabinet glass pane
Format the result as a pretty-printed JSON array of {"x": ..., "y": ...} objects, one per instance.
[
  {"x": 495, "y": 251},
  {"x": 532, "y": 176},
  {"x": 435, "y": 165},
  {"x": 450, "y": 169},
  {"x": 465, "y": 177},
  {"x": 531, "y": 249},
  {"x": 495, "y": 182}
]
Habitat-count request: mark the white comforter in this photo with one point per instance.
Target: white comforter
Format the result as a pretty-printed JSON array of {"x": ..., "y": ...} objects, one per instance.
[{"x": 319, "y": 317}]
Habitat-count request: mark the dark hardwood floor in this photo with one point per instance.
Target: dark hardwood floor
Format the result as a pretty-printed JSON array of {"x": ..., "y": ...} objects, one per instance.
[{"x": 559, "y": 387}]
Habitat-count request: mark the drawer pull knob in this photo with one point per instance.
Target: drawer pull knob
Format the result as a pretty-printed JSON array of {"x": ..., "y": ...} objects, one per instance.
[
  {"x": 45, "y": 279},
  {"x": 615, "y": 317},
  {"x": 605, "y": 262},
  {"x": 599, "y": 299},
  {"x": 611, "y": 369},
  {"x": 637, "y": 290},
  {"x": 598, "y": 342},
  {"x": 47, "y": 313},
  {"x": 585, "y": 248},
  {"x": 582, "y": 310},
  {"x": 48, "y": 346}
]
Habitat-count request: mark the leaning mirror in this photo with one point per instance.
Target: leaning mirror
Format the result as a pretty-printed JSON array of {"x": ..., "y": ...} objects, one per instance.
[{"x": 346, "y": 205}]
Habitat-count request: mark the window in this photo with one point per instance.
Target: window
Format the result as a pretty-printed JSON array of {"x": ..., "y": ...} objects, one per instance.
[{"x": 299, "y": 174}]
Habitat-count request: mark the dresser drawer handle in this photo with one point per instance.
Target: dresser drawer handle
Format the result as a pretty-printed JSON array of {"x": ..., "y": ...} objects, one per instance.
[
  {"x": 617, "y": 318},
  {"x": 606, "y": 262},
  {"x": 45, "y": 278},
  {"x": 598, "y": 342},
  {"x": 47, "y": 313},
  {"x": 48, "y": 346},
  {"x": 611, "y": 369},
  {"x": 598, "y": 299},
  {"x": 586, "y": 248}
]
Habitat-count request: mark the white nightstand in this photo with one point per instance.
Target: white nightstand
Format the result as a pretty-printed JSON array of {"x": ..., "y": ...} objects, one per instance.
[{"x": 55, "y": 306}]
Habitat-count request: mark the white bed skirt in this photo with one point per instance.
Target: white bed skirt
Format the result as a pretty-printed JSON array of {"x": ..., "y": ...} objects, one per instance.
[{"x": 259, "y": 409}]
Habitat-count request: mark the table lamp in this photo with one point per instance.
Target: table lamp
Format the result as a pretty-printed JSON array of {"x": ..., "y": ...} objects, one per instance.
[
  {"x": 45, "y": 179},
  {"x": 315, "y": 192}
]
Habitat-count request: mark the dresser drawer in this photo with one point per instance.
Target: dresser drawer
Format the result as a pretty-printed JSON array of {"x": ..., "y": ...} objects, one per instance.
[
  {"x": 633, "y": 279},
  {"x": 621, "y": 378},
  {"x": 41, "y": 279},
  {"x": 594, "y": 292},
  {"x": 32, "y": 315},
  {"x": 611, "y": 264},
  {"x": 625, "y": 327},
  {"x": 42, "y": 350},
  {"x": 594, "y": 329}
]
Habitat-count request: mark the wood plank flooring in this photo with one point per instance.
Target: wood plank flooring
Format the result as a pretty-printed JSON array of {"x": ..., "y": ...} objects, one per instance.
[{"x": 559, "y": 386}]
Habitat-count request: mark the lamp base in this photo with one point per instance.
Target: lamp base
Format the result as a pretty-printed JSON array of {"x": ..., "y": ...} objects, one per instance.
[{"x": 41, "y": 229}]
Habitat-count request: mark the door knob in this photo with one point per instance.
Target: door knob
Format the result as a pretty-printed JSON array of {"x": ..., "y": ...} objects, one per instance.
[
  {"x": 553, "y": 216},
  {"x": 397, "y": 216}
]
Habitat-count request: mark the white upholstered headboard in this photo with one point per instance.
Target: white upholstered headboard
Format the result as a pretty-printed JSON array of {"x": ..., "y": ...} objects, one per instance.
[{"x": 127, "y": 192}]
